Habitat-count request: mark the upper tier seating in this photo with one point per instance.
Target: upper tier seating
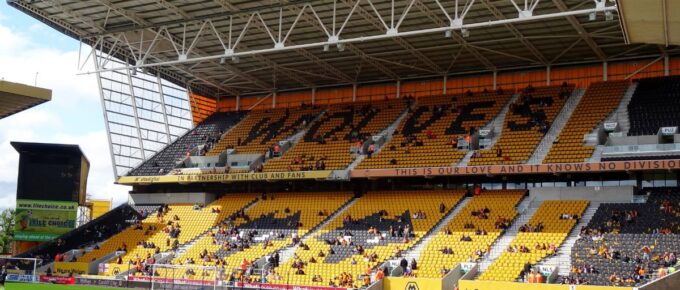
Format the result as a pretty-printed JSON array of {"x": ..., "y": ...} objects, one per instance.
[
  {"x": 655, "y": 104},
  {"x": 435, "y": 121},
  {"x": 435, "y": 260},
  {"x": 156, "y": 231},
  {"x": 540, "y": 238},
  {"x": 328, "y": 140},
  {"x": 372, "y": 226},
  {"x": 166, "y": 159},
  {"x": 267, "y": 226},
  {"x": 260, "y": 130},
  {"x": 622, "y": 239},
  {"x": 597, "y": 103},
  {"x": 527, "y": 121}
]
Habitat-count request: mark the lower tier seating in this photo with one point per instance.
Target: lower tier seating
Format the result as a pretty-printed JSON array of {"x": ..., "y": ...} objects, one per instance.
[
  {"x": 378, "y": 226},
  {"x": 628, "y": 244},
  {"x": 596, "y": 104},
  {"x": 95, "y": 231},
  {"x": 449, "y": 247},
  {"x": 170, "y": 227},
  {"x": 274, "y": 222},
  {"x": 540, "y": 238}
]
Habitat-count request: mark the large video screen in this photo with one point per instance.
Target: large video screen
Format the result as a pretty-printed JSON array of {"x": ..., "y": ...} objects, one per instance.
[
  {"x": 41, "y": 221},
  {"x": 49, "y": 177}
]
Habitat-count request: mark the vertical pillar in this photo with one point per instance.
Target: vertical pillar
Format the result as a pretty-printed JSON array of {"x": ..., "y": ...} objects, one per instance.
[
  {"x": 547, "y": 75},
  {"x": 605, "y": 71},
  {"x": 354, "y": 92},
  {"x": 444, "y": 85},
  {"x": 238, "y": 102},
  {"x": 398, "y": 89},
  {"x": 274, "y": 99},
  {"x": 313, "y": 95},
  {"x": 495, "y": 76},
  {"x": 666, "y": 65}
]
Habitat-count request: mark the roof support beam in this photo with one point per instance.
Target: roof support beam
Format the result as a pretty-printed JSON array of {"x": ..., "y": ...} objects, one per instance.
[
  {"x": 378, "y": 23},
  {"x": 499, "y": 15},
  {"x": 581, "y": 31},
  {"x": 432, "y": 16}
]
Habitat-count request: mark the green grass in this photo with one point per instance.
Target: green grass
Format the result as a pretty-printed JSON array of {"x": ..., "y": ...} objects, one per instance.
[{"x": 28, "y": 286}]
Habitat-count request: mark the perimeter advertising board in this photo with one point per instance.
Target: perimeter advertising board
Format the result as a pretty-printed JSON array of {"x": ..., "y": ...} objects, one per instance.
[{"x": 40, "y": 220}]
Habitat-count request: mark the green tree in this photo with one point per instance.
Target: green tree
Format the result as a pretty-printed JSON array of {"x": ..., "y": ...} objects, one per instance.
[{"x": 7, "y": 218}]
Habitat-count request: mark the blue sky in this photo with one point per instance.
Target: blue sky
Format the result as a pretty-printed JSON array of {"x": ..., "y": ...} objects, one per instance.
[{"x": 73, "y": 116}]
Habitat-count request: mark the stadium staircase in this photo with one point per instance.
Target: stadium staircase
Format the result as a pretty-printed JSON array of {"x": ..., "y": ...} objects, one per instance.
[
  {"x": 496, "y": 124},
  {"x": 388, "y": 133},
  {"x": 414, "y": 253},
  {"x": 287, "y": 253},
  {"x": 526, "y": 208},
  {"x": 621, "y": 113},
  {"x": 562, "y": 259},
  {"x": 558, "y": 124},
  {"x": 184, "y": 248}
]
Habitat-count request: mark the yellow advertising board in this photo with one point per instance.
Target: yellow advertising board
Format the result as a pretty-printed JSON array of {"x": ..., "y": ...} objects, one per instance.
[
  {"x": 231, "y": 177},
  {"x": 65, "y": 268},
  {"x": 399, "y": 283}
]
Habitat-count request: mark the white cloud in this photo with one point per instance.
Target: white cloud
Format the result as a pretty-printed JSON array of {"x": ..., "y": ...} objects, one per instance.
[
  {"x": 54, "y": 122},
  {"x": 21, "y": 58}
]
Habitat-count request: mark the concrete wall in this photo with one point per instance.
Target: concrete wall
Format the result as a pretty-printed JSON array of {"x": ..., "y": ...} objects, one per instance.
[
  {"x": 451, "y": 279},
  {"x": 633, "y": 140},
  {"x": 170, "y": 198},
  {"x": 619, "y": 194},
  {"x": 670, "y": 282}
]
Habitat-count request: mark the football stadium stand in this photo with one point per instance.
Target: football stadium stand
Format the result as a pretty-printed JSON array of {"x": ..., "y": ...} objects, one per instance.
[
  {"x": 628, "y": 244},
  {"x": 538, "y": 239},
  {"x": 93, "y": 232},
  {"x": 482, "y": 220},
  {"x": 598, "y": 102},
  {"x": 428, "y": 136},
  {"x": 328, "y": 142},
  {"x": 374, "y": 145},
  {"x": 655, "y": 104},
  {"x": 380, "y": 225},
  {"x": 205, "y": 134},
  {"x": 274, "y": 222},
  {"x": 528, "y": 120},
  {"x": 167, "y": 228},
  {"x": 260, "y": 130}
]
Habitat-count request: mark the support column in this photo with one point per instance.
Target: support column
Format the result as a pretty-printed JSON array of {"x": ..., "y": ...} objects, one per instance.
[
  {"x": 444, "y": 85},
  {"x": 354, "y": 92},
  {"x": 605, "y": 71},
  {"x": 666, "y": 65},
  {"x": 313, "y": 95},
  {"x": 547, "y": 75},
  {"x": 238, "y": 102},
  {"x": 495, "y": 76},
  {"x": 274, "y": 99},
  {"x": 398, "y": 89}
]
